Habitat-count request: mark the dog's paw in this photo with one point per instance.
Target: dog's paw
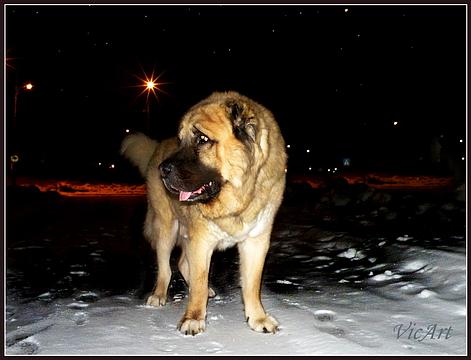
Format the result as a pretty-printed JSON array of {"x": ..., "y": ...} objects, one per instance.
[
  {"x": 266, "y": 324},
  {"x": 211, "y": 293},
  {"x": 156, "y": 300},
  {"x": 191, "y": 326}
]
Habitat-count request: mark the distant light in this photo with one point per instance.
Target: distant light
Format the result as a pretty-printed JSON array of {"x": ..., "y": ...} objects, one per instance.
[
  {"x": 310, "y": 168},
  {"x": 335, "y": 169},
  {"x": 395, "y": 123},
  {"x": 127, "y": 130},
  {"x": 150, "y": 84},
  {"x": 286, "y": 170},
  {"x": 328, "y": 170},
  {"x": 112, "y": 166},
  {"x": 461, "y": 140},
  {"x": 99, "y": 164},
  {"x": 462, "y": 158},
  {"x": 346, "y": 10},
  {"x": 308, "y": 150},
  {"x": 288, "y": 146},
  {"x": 28, "y": 86}
]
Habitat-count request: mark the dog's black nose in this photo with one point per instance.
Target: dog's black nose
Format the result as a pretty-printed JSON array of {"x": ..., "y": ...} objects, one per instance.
[{"x": 166, "y": 168}]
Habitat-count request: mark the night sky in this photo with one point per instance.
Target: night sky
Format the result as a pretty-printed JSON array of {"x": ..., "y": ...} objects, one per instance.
[{"x": 335, "y": 77}]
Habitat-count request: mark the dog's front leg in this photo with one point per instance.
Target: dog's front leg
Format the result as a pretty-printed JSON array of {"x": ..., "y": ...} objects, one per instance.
[
  {"x": 252, "y": 252},
  {"x": 198, "y": 253}
]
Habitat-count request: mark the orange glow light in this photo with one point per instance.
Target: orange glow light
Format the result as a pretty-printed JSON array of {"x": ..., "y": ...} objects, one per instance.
[
  {"x": 150, "y": 84},
  {"x": 29, "y": 86}
]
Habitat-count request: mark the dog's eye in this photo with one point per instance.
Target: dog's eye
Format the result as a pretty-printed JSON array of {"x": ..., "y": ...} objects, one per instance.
[{"x": 202, "y": 139}]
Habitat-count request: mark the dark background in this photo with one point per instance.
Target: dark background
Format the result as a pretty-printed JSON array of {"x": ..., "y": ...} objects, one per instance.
[{"x": 335, "y": 77}]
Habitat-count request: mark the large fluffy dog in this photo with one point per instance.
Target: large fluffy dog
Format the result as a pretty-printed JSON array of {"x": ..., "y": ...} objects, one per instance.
[{"x": 216, "y": 185}]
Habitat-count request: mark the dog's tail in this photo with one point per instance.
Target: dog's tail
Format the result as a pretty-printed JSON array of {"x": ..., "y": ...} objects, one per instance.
[{"x": 138, "y": 148}]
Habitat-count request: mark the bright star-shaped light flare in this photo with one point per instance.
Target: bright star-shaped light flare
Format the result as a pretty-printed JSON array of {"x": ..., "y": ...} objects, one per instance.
[{"x": 151, "y": 84}]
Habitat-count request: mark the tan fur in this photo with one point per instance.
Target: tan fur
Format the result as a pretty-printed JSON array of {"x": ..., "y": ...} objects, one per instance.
[
  {"x": 242, "y": 214},
  {"x": 138, "y": 148}
]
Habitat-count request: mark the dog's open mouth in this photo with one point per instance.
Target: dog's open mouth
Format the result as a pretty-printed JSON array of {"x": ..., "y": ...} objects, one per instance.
[
  {"x": 193, "y": 195},
  {"x": 204, "y": 192}
]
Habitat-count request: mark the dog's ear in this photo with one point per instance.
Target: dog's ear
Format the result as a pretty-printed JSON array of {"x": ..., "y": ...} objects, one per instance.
[{"x": 243, "y": 120}]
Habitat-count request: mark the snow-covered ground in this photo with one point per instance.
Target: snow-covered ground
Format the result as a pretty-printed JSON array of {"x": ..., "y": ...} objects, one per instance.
[{"x": 332, "y": 292}]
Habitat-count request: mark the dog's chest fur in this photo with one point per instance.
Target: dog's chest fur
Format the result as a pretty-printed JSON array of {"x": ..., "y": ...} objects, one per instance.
[
  {"x": 252, "y": 229},
  {"x": 225, "y": 239}
]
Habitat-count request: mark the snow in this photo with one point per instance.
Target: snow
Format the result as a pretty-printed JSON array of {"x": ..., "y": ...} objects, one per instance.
[
  {"x": 329, "y": 318},
  {"x": 334, "y": 292}
]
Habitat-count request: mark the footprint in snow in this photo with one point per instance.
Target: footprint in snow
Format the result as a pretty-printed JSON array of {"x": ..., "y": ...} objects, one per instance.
[
  {"x": 352, "y": 332},
  {"x": 324, "y": 315},
  {"x": 324, "y": 322},
  {"x": 80, "y": 318}
]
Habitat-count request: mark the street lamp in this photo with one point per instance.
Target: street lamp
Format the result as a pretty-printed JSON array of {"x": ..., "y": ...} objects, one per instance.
[
  {"x": 28, "y": 87},
  {"x": 14, "y": 157},
  {"x": 149, "y": 84}
]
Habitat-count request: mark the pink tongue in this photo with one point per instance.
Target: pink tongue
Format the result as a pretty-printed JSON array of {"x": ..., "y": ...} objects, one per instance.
[{"x": 185, "y": 195}]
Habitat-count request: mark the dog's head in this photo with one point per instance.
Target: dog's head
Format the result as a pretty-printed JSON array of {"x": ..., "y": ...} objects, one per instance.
[{"x": 217, "y": 148}]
